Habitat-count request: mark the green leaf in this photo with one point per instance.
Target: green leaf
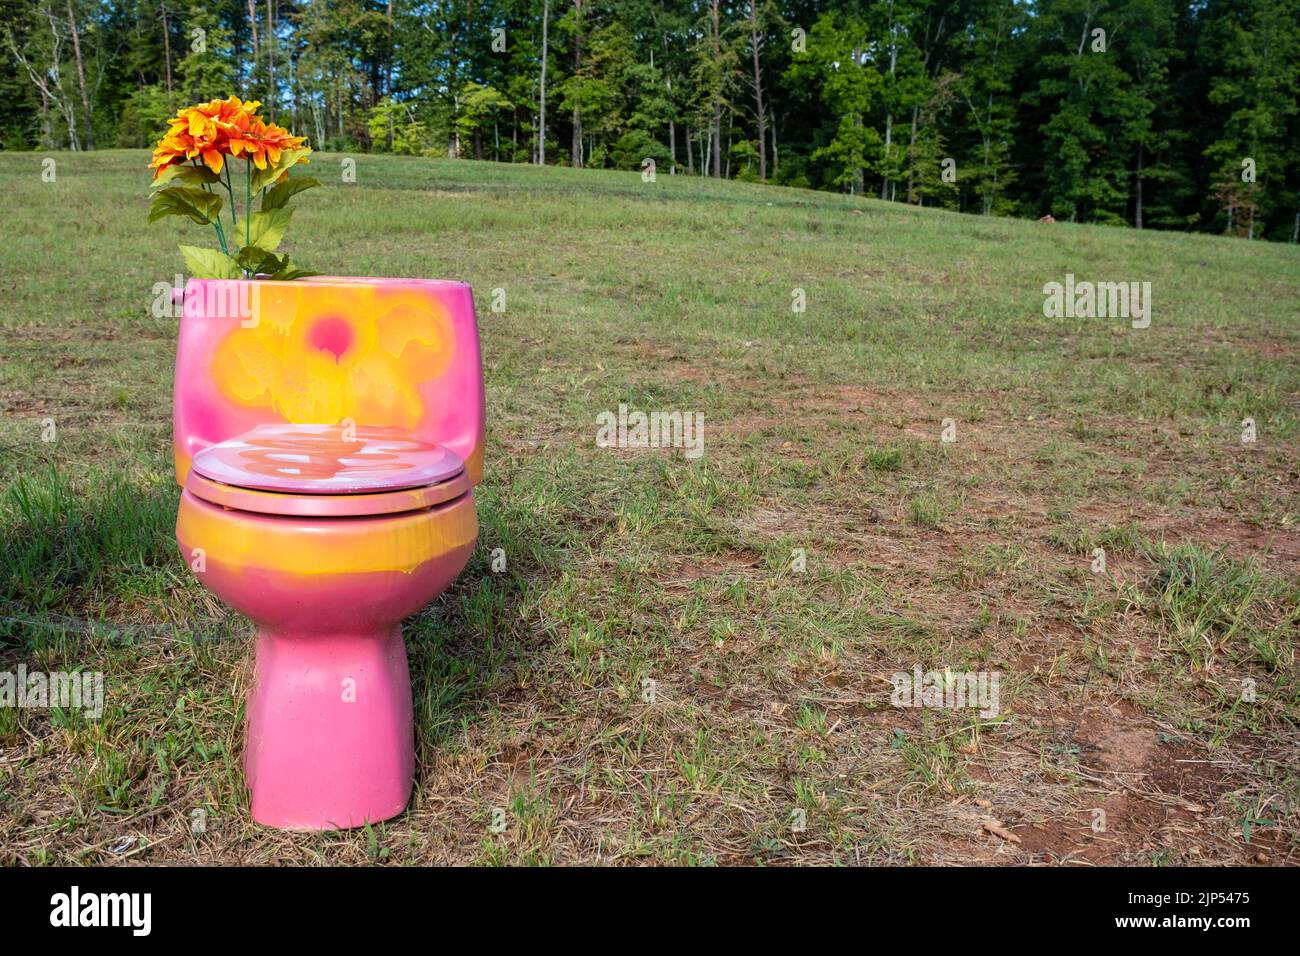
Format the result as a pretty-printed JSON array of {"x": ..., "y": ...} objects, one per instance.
[
  {"x": 278, "y": 195},
  {"x": 196, "y": 204},
  {"x": 266, "y": 229},
  {"x": 255, "y": 260},
  {"x": 285, "y": 275},
  {"x": 263, "y": 178},
  {"x": 210, "y": 264},
  {"x": 283, "y": 271},
  {"x": 186, "y": 174},
  {"x": 200, "y": 205}
]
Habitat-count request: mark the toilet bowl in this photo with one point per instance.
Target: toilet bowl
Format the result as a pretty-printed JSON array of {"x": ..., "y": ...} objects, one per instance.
[
  {"x": 327, "y": 535},
  {"x": 326, "y": 541}
]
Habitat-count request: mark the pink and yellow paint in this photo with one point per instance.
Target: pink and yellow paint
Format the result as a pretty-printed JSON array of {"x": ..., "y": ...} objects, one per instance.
[{"x": 328, "y": 434}]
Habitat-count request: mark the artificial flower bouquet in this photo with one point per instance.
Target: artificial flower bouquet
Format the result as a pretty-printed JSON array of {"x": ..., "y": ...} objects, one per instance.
[{"x": 191, "y": 169}]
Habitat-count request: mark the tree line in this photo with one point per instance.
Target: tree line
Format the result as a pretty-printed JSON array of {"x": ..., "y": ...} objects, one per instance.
[{"x": 1146, "y": 113}]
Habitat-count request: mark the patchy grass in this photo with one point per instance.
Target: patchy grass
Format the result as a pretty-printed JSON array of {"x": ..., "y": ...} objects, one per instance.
[
  {"x": 679, "y": 655},
  {"x": 1212, "y": 606}
]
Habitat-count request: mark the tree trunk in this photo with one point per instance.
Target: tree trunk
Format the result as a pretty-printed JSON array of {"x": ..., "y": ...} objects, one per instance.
[
  {"x": 270, "y": 63},
  {"x": 716, "y": 145},
  {"x": 1137, "y": 213},
  {"x": 690, "y": 156},
  {"x": 56, "y": 96},
  {"x": 575, "y": 150},
  {"x": 454, "y": 146},
  {"x": 47, "y": 132},
  {"x": 167, "y": 46},
  {"x": 81, "y": 78},
  {"x": 541, "y": 125},
  {"x": 715, "y": 131},
  {"x": 388, "y": 74},
  {"x": 859, "y": 180},
  {"x": 758, "y": 92},
  {"x": 885, "y": 191},
  {"x": 672, "y": 133},
  {"x": 672, "y": 125},
  {"x": 730, "y": 125},
  {"x": 988, "y": 188},
  {"x": 911, "y": 148},
  {"x": 252, "y": 75},
  {"x": 776, "y": 156},
  {"x": 889, "y": 136}
]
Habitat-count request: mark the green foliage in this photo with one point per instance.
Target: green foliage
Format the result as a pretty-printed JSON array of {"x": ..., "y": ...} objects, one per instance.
[
  {"x": 394, "y": 128},
  {"x": 207, "y": 66},
  {"x": 836, "y": 64},
  {"x": 266, "y": 229},
  {"x": 635, "y": 146},
  {"x": 481, "y": 108},
  {"x": 199, "y": 205},
  {"x": 277, "y": 196},
  {"x": 144, "y": 115},
  {"x": 210, "y": 263},
  {"x": 1256, "y": 52},
  {"x": 256, "y": 261}
]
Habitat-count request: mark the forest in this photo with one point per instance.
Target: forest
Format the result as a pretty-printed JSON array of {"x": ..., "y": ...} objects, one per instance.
[{"x": 1140, "y": 113}]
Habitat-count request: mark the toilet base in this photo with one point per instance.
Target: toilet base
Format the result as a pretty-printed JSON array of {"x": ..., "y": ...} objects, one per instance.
[{"x": 331, "y": 737}]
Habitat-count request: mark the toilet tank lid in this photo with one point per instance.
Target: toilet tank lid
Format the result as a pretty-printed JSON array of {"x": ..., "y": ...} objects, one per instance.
[{"x": 327, "y": 460}]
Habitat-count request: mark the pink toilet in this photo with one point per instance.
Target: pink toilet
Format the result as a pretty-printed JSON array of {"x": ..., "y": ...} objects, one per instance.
[{"x": 328, "y": 434}]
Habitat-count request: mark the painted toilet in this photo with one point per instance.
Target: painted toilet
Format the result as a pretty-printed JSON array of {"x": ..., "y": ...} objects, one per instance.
[{"x": 328, "y": 434}]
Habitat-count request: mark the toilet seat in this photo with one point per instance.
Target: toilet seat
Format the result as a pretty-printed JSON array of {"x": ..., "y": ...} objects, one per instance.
[{"x": 319, "y": 471}]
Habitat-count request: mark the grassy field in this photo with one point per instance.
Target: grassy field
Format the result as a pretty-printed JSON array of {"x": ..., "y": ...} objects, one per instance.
[{"x": 1126, "y": 692}]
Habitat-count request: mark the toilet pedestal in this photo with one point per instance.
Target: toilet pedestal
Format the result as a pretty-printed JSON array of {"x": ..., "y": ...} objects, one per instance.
[{"x": 331, "y": 741}]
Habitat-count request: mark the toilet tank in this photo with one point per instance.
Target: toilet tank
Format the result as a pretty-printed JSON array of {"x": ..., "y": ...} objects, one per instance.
[{"x": 400, "y": 353}]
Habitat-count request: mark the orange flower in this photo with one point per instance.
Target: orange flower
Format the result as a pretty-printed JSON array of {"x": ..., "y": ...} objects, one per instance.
[
  {"x": 219, "y": 128},
  {"x": 262, "y": 141}
]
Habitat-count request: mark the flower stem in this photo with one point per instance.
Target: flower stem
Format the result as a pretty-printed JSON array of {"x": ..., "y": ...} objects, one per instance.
[
  {"x": 216, "y": 223},
  {"x": 230, "y": 189},
  {"x": 248, "y": 209},
  {"x": 221, "y": 235}
]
